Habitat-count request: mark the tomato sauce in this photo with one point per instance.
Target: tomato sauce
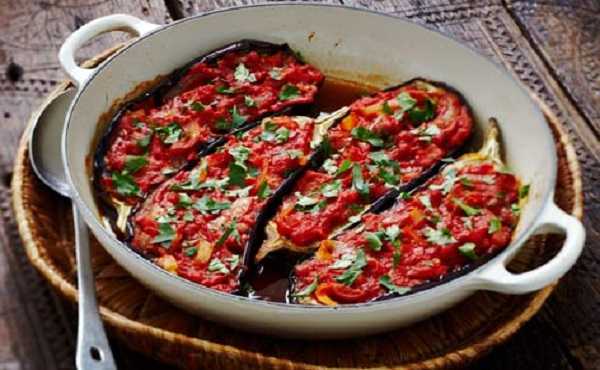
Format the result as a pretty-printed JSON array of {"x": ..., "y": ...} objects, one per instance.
[
  {"x": 462, "y": 215},
  {"x": 152, "y": 142},
  {"x": 197, "y": 224},
  {"x": 386, "y": 141}
]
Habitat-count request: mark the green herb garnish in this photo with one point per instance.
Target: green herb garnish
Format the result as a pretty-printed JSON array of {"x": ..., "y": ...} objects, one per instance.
[
  {"x": 468, "y": 210},
  {"x": 289, "y": 92},
  {"x": 386, "y": 282},
  {"x": 468, "y": 250},
  {"x": 125, "y": 184},
  {"x": 366, "y": 135},
  {"x": 349, "y": 276}
]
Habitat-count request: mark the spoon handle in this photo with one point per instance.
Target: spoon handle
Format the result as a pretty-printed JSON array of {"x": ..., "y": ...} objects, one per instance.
[{"x": 93, "y": 350}]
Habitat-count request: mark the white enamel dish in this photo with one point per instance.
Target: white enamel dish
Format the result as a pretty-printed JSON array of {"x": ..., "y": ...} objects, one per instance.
[{"x": 347, "y": 43}]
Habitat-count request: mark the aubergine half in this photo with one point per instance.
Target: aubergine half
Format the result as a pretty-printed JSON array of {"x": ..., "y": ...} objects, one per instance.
[
  {"x": 462, "y": 216},
  {"x": 388, "y": 143},
  {"x": 158, "y": 133},
  {"x": 199, "y": 223}
]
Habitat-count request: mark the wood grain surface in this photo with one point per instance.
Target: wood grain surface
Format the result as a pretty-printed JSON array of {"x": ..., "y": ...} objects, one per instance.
[{"x": 552, "y": 46}]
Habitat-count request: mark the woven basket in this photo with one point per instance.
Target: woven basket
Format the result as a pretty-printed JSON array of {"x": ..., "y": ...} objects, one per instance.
[{"x": 154, "y": 327}]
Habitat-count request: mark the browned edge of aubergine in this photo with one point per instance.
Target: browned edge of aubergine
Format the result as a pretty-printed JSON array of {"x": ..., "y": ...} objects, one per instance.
[
  {"x": 388, "y": 200},
  {"x": 168, "y": 87}
]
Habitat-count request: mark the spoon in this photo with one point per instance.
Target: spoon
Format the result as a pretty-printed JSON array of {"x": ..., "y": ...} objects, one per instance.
[{"x": 93, "y": 350}]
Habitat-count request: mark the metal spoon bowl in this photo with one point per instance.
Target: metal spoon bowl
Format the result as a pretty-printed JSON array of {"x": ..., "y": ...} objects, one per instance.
[{"x": 93, "y": 350}]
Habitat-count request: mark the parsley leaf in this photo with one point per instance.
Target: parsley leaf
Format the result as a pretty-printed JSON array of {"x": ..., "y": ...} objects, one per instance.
[
  {"x": 169, "y": 134},
  {"x": 208, "y": 205},
  {"x": 249, "y": 101},
  {"x": 289, "y": 92},
  {"x": 468, "y": 250},
  {"x": 494, "y": 225},
  {"x": 468, "y": 210},
  {"x": 231, "y": 230},
  {"x": 216, "y": 265},
  {"x": 196, "y": 106},
  {"x": 144, "y": 141},
  {"x": 358, "y": 182},
  {"x": 242, "y": 74},
  {"x": 308, "y": 290},
  {"x": 332, "y": 189},
  {"x": 373, "y": 241},
  {"x": 419, "y": 115},
  {"x": 343, "y": 262},
  {"x": 166, "y": 233},
  {"x": 439, "y": 236},
  {"x": 225, "y": 90},
  {"x": 276, "y": 73},
  {"x": 406, "y": 101},
  {"x": 344, "y": 166},
  {"x": 523, "y": 191},
  {"x": 354, "y": 270},
  {"x": 185, "y": 201},
  {"x": 263, "y": 190},
  {"x": 191, "y": 251},
  {"x": 133, "y": 163},
  {"x": 386, "y": 282},
  {"x": 236, "y": 119},
  {"x": 366, "y": 135},
  {"x": 125, "y": 184}
]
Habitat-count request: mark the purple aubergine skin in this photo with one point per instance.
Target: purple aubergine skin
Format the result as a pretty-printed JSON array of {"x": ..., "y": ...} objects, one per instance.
[{"x": 169, "y": 87}]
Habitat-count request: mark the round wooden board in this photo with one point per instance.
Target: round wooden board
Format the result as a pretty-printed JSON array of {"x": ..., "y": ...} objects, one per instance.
[{"x": 150, "y": 325}]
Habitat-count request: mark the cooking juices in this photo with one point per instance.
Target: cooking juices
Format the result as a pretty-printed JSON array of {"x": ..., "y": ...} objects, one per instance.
[{"x": 212, "y": 185}]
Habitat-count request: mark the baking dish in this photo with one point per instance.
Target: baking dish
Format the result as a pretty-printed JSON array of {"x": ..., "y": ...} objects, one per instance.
[{"x": 381, "y": 49}]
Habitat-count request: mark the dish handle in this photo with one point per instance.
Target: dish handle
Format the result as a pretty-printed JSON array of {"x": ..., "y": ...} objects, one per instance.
[
  {"x": 114, "y": 22},
  {"x": 496, "y": 277}
]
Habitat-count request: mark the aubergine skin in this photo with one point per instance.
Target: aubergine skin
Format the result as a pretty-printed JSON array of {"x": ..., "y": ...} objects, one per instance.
[
  {"x": 157, "y": 95},
  {"x": 386, "y": 200}
]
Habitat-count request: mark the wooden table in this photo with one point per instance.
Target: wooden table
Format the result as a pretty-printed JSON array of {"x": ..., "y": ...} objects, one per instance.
[{"x": 553, "y": 46}]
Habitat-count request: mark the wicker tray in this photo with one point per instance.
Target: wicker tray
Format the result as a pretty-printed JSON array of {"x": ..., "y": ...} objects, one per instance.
[{"x": 154, "y": 327}]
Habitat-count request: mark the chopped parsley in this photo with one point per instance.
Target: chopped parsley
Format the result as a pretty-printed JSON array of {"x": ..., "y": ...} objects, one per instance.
[
  {"x": 332, "y": 189},
  {"x": 426, "y": 201},
  {"x": 418, "y": 115},
  {"x": 230, "y": 230},
  {"x": 406, "y": 101},
  {"x": 344, "y": 166},
  {"x": 358, "y": 182},
  {"x": 276, "y": 73},
  {"x": 216, "y": 265},
  {"x": 329, "y": 166},
  {"x": 144, "y": 141},
  {"x": 289, "y": 92},
  {"x": 439, "y": 236},
  {"x": 236, "y": 119},
  {"x": 208, "y": 205},
  {"x": 305, "y": 203},
  {"x": 308, "y": 290},
  {"x": 191, "y": 251},
  {"x": 374, "y": 241},
  {"x": 125, "y": 184},
  {"x": 225, "y": 90},
  {"x": 366, "y": 135},
  {"x": 494, "y": 225},
  {"x": 249, "y": 101},
  {"x": 242, "y": 74},
  {"x": 468, "y": 210},
  {"x": 387, "y": 109},
  {"x": 349, "y": 276},
  {"x": 166, "y": 233},
  {"x": 523, "y": 191},
  {"x": 184, "y": 201},
  {"x": 343, "y": 262},
  {"x": 386, "y": 282},
  {"x": 233, "y": 261},
  {"x": 134, "y": 163},
  {"x": 468, "y": 250},
  {"x": 196, "y": 106},
  {"x": 263, "y": 190},
  {"x": 169, "y": 134}
]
